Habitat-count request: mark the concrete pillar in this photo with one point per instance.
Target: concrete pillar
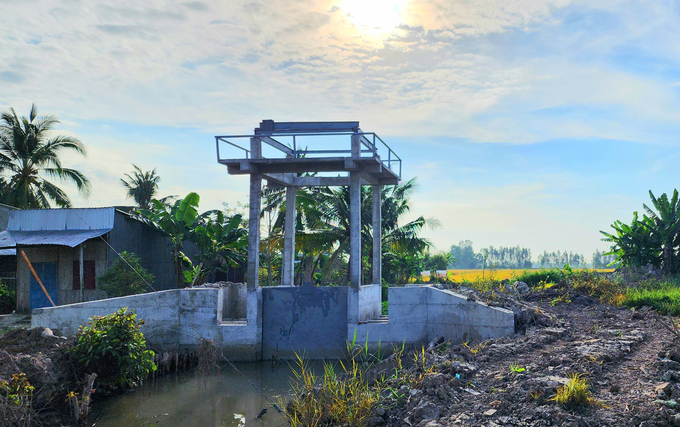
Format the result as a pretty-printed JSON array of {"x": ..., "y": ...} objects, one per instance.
[
  {"x": 288, "y": 255},
  {"x": 377, "y": 235},
  {"x": 254, "y": 231},
  {"x": 356, "y": 145},
  {"x": 355, "y": 230}
]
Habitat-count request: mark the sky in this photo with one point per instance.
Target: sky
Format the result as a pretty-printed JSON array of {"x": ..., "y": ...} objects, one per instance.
[{"x": 526, "y": 122}]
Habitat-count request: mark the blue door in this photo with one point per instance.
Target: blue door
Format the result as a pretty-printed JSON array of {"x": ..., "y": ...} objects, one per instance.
[{"x": 47, "y": 271}]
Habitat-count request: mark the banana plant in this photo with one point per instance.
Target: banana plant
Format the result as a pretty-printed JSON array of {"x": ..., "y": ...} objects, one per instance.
[
  {"x": 664, "y": 225},
  {"x": 220, "y": 241},
  {"x": 634, "y": 244},
  {"x": 176, "y": 220}
]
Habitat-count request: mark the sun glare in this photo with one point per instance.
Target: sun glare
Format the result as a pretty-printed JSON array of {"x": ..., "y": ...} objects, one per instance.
[{"x": 376, "y": 17}]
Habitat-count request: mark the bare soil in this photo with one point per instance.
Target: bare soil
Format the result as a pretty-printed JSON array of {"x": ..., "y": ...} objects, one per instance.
[{"x": 631, "y": 360}]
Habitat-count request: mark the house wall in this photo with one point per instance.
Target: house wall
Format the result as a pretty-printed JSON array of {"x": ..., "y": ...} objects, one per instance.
[
  {"x": 64, "y": 256},
  {"x": 152, "y": 247}
]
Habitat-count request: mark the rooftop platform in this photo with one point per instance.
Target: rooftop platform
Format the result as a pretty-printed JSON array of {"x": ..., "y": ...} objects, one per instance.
[{"x": 310, "y": 147}]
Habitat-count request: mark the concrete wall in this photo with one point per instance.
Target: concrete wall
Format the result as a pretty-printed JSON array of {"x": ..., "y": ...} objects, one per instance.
[
  {"x": 283, "y": 321},
  {"x": 308, "y": 320},
  {"x": 235, "y": 297},
  {"x": 93, "y": 249},
  {"x": 370, "y": 302},
  {"x": 173, "y": 319},
  {"x": 160, "y": 312},
  {"x": 419, "y": 314}
]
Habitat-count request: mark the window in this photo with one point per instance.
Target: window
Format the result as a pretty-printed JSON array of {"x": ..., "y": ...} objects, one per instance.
[{"x": 88, "y": 269}]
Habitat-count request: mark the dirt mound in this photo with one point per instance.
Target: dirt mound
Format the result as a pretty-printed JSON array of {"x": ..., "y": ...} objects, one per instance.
[
  {"x": 629, "y": 360},
  {"x": 41, "y": 355}
]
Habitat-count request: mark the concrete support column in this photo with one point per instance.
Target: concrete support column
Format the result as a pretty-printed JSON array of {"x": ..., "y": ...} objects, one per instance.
[
  {"x": 355, "y": 230},
  {"x": 377, "y": 235},
  {"x": 254, "y": 231},
  {"x": 288, "y": 255},
  {"x": 356, "y": 145}
]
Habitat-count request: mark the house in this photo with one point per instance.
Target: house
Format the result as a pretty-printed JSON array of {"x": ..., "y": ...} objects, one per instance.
[
  {"x": 8, "y": 256},
  {"x": 59, "y": 242}
]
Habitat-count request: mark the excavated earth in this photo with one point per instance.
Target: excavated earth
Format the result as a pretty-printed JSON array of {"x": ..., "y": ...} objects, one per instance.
[{"x": 630, "y": 359}]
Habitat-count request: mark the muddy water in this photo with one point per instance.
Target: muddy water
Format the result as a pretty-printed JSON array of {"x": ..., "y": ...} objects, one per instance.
[{"x": 185, "y": 400}]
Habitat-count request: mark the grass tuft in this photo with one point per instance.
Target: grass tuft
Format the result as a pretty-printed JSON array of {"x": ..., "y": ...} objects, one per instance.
[{"x": 575, "y": 393}]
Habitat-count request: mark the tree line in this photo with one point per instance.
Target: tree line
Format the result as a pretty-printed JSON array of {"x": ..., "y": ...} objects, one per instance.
[{"x": 463, "y": 256}]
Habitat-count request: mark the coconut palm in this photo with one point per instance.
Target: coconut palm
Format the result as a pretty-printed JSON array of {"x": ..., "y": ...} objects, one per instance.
[
  {"x": 29, "y": 154},
  {"x": 322, "y": 224},
  {"x": 141, "y": 186}
]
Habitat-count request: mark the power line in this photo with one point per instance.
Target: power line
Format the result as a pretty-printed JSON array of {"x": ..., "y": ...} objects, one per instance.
[{"x": 116, "y": 252}]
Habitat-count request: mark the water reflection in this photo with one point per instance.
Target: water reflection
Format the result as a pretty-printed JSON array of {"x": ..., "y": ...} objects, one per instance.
[{"x": 182, "y": 400}]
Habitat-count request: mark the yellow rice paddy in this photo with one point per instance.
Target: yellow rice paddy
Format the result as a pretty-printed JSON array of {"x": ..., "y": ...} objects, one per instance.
[{"x": 470, "y": 275}]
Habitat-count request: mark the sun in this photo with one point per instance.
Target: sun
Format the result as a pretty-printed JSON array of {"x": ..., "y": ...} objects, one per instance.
[{"x": 376, "y": 17}]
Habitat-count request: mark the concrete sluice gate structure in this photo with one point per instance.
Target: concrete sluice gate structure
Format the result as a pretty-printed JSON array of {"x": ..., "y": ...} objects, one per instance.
[
  {"x": 316, "y": 322},
  {"x": 283, "y": 321}
]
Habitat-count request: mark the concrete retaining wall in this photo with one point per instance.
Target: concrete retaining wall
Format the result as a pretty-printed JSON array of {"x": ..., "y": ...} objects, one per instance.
[
  {"x": 306, "y": 320},
  {"x": 283, "y": 321},
  {"x": 173, "y": 319},
  {"x": 235, "y": 296},
  {"x": 419, "y": 314},
  {"x": 370, "y": 302}
]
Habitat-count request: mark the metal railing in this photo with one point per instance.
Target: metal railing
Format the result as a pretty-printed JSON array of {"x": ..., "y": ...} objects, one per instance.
[{"x": 370, "y": 141}]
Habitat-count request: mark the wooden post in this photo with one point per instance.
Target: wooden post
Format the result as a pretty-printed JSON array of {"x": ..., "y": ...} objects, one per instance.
[
  {"x": 37, "y": 278},
  {"x": 82, "y": 275}
]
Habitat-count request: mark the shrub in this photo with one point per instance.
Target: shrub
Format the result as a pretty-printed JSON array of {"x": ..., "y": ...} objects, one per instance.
[
  {"x": 15, "y": 402},
  {"x": 8, "y": 300},
  {"x": 596, "y": 285},
  {"x": 114, "y": 347},
  {"x": 535, "y": 277},
  {"x": 121, "y": 280}
]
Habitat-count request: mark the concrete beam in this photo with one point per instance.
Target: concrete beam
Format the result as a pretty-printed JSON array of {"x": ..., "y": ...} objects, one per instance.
[
  {"x": 377, "y": 235},
  {"x": 254, "y": 231},
  {"x": 276, "y": 144},
  {"x": 355, "y": 230},
  {"x": 281, "y": 180},
  {"x": 288, "y": 255}
]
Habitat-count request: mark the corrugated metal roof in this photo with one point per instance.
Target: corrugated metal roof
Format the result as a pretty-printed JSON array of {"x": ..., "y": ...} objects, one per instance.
[
  {"x": 8, "y": 252},
  {"x": 6, "y": 240},
  {"x": 70, "y": 238},
  {"x": 61, "y": 219}
]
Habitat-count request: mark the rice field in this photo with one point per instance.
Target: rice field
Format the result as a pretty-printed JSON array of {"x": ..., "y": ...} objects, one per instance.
[{"x": 471, "y": 275}]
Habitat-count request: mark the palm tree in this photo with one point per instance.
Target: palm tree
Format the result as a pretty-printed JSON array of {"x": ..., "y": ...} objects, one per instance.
[
  {"x": 28, "y": 154},
  {"x": 141, "y": 186},
  {"x": 322, "y": 225}
]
